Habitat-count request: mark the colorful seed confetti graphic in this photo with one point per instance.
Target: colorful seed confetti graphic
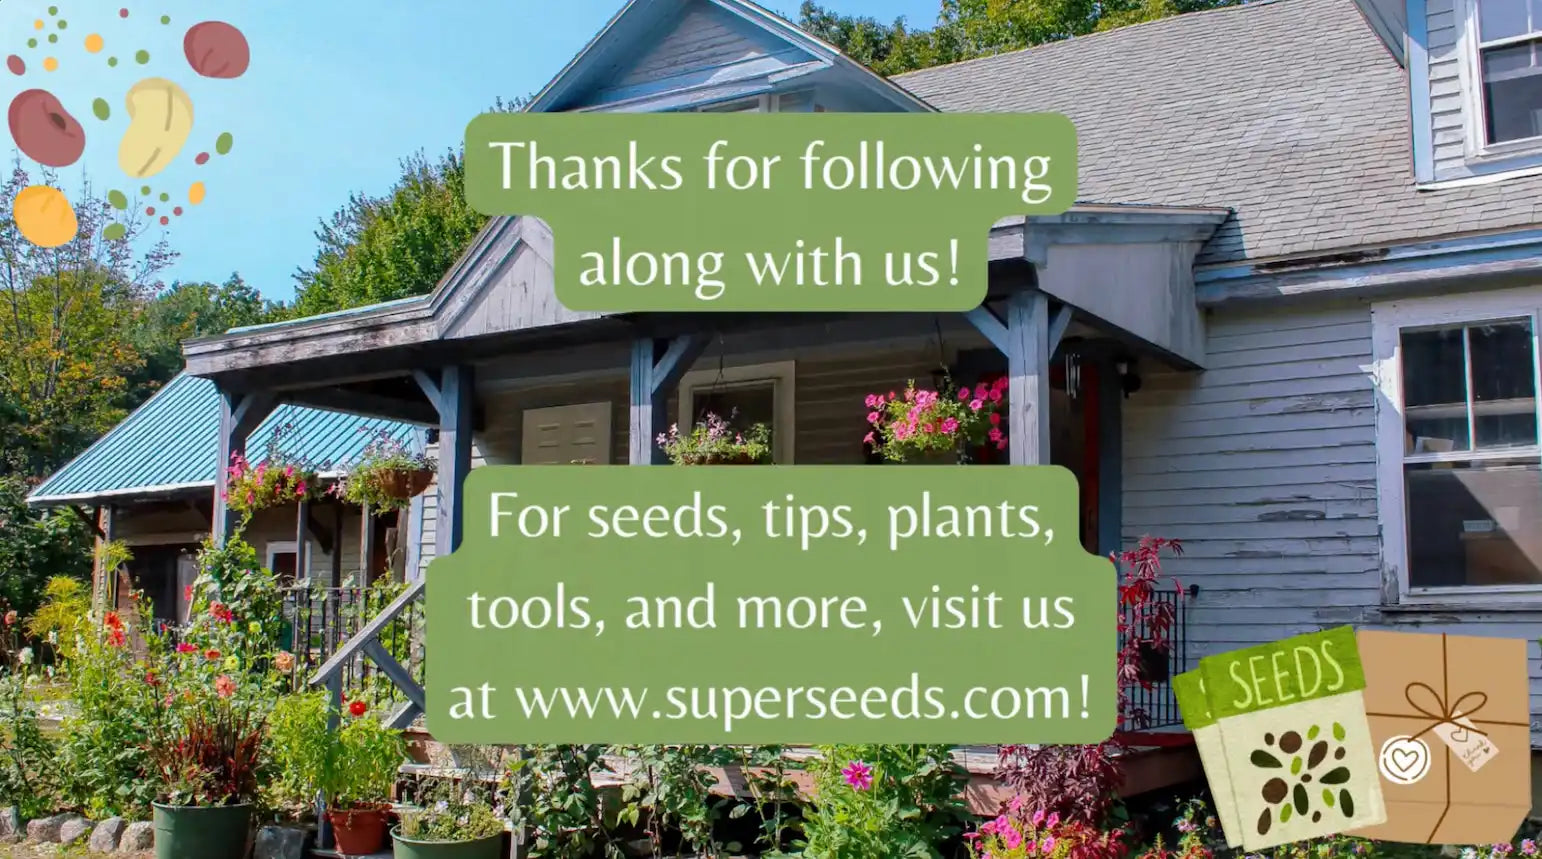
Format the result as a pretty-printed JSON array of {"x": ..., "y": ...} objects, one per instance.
[{"x": 160, "y": 120}]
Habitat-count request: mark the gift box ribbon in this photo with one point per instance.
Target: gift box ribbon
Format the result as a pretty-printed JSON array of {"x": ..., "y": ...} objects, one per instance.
[{"x": 1435, "y": 709}]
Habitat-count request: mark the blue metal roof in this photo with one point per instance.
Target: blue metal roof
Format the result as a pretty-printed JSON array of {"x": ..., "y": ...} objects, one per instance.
[{"x": 172, "y": 443}]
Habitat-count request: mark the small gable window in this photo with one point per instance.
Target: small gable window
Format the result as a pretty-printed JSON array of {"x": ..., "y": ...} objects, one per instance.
[{"x": 1509, "y": 66}]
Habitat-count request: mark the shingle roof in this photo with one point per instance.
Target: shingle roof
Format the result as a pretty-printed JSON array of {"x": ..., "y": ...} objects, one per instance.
[
  {"x": 172, "y": 443},
  {"x": 1290, "y": 112}
]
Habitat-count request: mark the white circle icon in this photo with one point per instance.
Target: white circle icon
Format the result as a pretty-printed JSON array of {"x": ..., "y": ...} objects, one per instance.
[{"x": 1404, "y": 760}]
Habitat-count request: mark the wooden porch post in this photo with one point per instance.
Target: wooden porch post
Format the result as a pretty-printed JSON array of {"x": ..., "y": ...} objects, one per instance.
[
  {"x": 1110, "y": 394},
  {"x": 239, "y": 416},
  {"x": 302, "y": 533},
  {"x": 657, "y": 365},
  {"x": 1028, "y": 351},
  {"x": 367, "y": 559},
  {"x": 454, "y": 397}
]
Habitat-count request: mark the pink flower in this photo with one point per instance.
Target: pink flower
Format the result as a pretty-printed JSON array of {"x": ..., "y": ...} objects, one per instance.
[
  {"x": 1011, "y": 838},
  {"x": 873, "y": 401},
  {"x": 976, "y": 405},
  {"x": 1053, "y": 821},
  {"x": 963, "y": 394},
  {"x": 289, "y": 471},
  {"x": 184, "y": 647},
  {"x": 950, "y": 425},
  {"x": 929, "y": 428},
  {"x": 859, "y": 775},
  {"x": 299, "y": 488},
  {"x": 1001, "y": 445},
  {"x": 224, "y": 686},
  {"x": 994, "y": 434},
  {"x": 1038, "y": 818},
  {"x": 1016, "y": 804},
  {"x": 1047, "y": 845},
  {"x": 995, "y": 419},
  {"x": 873, "y": 417},
  {"x": 867, "y": 439},
  {"x": 995, "y": 395}
]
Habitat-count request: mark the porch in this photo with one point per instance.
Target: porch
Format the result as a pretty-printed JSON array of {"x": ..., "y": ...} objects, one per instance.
[{"x": 501, "y": 373}]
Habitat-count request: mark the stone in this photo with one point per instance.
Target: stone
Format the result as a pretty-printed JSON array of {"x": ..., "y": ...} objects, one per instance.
[
  {"x": 107, "y": 834},
  {"x": 280, "y": 842},
  {"x": 10, "y": 825},
  {"x": 138, "y": 837},
  {"x": 74, "y": 829},
  {"x": 45, "y": 830}
]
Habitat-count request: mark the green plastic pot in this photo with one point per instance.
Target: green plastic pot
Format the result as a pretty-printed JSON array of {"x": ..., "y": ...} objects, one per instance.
[
  {"x": 490, "y": 847},
  {"x": 202, "y": 831}
]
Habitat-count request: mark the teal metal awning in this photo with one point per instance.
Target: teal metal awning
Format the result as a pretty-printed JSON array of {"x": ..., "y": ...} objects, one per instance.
[{"x": 170, "y": 446}]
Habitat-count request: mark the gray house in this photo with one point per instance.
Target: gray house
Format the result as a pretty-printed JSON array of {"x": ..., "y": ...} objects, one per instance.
[{"x": 1293, "y": 322}]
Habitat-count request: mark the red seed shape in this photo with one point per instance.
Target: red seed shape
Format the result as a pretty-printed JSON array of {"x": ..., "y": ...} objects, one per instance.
[
  {"x": 44, "y": 131},
  {"x": 216, "y": 49}
]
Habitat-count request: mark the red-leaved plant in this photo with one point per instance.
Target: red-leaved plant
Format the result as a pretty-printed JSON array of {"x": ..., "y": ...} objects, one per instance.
[
  {"x": 210, "y": 758},
  {"x": 1081, "y": 783}
]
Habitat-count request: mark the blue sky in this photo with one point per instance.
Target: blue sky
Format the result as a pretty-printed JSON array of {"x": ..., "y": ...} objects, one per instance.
[{"x": 338, "y": 91}]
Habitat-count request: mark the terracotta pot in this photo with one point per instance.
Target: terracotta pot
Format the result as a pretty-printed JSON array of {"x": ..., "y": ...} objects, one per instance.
[
  {"x": 405, "y": 484},
  {"x": 359, "y": 830}
]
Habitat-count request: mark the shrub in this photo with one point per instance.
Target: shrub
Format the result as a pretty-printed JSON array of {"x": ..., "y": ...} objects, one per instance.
[{"x": 882, "y": 800}]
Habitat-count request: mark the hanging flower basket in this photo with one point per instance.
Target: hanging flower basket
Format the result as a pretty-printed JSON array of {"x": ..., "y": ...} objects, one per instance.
[
  {"x": 715, "y": 441},
  {"x": 387, "y": 475},
  {"x": 920, "y": 422}
]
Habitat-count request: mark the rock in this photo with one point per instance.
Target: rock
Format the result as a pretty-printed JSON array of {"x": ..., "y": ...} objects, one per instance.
[
  {"x": 138, "y": 837},
  {"x": 280, "y": 842},
  {"x": 45, "y": 830},
  {"x": 10, "y": 825},
  {"x": 74, "y": 829},
  {"x": 105, "y": 838}
]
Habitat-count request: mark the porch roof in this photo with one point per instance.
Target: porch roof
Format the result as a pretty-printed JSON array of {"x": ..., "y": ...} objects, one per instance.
[
  {"x": 170, "y": 446},
  {"x": 503, "y": 285}
]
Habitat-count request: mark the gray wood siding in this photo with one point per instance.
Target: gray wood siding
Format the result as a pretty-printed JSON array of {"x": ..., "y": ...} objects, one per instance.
[
  {"x": 1447, "y": 122},
  {"x": 162, "y": 527},
  {"x": 704, "y": 37},
  {"x": 1264, "y": 465}
]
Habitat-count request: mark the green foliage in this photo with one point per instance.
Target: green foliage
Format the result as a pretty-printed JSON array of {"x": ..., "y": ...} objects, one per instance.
[
  {"x": 188, "y": 310},
  {"x": 968, "y": 29},
  {"x": 715, "y": 439},
  {"x": 452, "y": 810},
  {"x": 35, "y": 546},
  {"x": 670, "y": 787},
  {"x": 61, "y": 619},
  {"x": 382, "y": 458},
  {"x": 884, "y": 800},
  {"x": 560, "y": 806},
  {"x": 29, "y": 772},
  {"x": 397, "y": 245},
  {"x": 772, "y": 793},
  {"x": 356, "y": 767}
]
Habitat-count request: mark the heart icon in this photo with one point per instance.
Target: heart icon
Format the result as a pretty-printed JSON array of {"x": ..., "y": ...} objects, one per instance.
[
  {"x": 1404, "y": 760},
  {"x": 1460, "y": 735}
]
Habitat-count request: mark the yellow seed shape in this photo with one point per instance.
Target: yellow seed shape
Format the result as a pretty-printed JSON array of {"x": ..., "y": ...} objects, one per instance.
[
  {"x": 195, "y": 193},
  {"x": 44, "y": 216},
  {"x": 160, "y": 120},
  {"x": 94, "y": 42}
]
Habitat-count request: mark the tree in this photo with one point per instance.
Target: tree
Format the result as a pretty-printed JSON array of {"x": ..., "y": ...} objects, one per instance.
[
  {"x": 35, "y": 546},
  {"x": 967, "y": 29},
  {"x": 188, "y": 310},
  {"x": 66, "y": 316},
  {"x": 398, "y": 245}
]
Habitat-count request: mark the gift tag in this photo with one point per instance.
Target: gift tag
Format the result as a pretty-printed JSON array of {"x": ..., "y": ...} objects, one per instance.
[{"x": 1467, "y": 742}]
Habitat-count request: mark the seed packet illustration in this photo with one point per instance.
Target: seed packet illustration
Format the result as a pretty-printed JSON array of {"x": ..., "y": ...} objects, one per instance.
[
  {"x": 1189, "y": 689},
  {"x": 1451, "y": 725},
  {"x": 1293, "y": 722}
]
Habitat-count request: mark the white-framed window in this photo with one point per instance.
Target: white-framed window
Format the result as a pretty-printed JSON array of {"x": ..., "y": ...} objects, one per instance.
[
  {"x": 283, "y": 561},
  {"x": 1504, "y": 75},
  {"x": 1459, "y": 486},
  {"x": 754, "y": 393}
]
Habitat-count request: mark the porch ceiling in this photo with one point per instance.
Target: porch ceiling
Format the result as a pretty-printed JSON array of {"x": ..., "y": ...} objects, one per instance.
[{"x": 1127, "y": 267}]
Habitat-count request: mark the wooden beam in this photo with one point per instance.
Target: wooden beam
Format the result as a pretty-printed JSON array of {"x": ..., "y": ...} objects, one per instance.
[
  {"x": 1058, "y": 326},
  {"x": 240, "y": 414},
  {"x": 429, "y": 382},
  {"x": 367, "y": 554},
  {"x": 990, "y": 326},
  {"x": 1028, "y": 435},
  {"x": 319, "y": 532},
  {"x": 657, "y": 365},
  {"x": 340, "y": 399},
  {"x": 1110, "y": 394},
  {"x": 338, "y": 509},
  {"x": 302, "y": 527},
  {"x": 457, "y": 394},
  {"x": 90, "y": 520}
]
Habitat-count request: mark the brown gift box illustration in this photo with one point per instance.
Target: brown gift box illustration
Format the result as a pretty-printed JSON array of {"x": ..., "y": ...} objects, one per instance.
[{"x": 1450, "y": 720}]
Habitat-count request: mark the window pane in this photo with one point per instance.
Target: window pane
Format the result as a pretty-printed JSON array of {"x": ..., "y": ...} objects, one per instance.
[
  {"x": 1435, "y": 390},
  {"x": 742, "y": 405},
  {"x": 1502, "y": 19},
  {"x": 1503, "y": 384},
  {"x": 1474, "y": 523},
  {"x": 1512, "y": 92}
]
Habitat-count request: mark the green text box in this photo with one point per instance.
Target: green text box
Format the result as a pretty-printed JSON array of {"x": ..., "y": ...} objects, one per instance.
[
  {"x": 784, "y": 212},
  {"x": 521, "y": 616}
]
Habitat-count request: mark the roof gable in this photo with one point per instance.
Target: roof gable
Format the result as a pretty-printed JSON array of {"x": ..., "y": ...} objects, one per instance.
[
  {"x": 171, "y": 443},
  {"x": 706, "y": 50}
]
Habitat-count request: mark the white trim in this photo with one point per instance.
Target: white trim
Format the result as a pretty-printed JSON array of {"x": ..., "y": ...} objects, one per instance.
[
  {"x": 165, "y": 538},
  {"x": 302, "y": 565},
  {"x": 1388, "y": 320},
  {"x": 781, "y": 374},
  {"x": 1469, "y": 47}
]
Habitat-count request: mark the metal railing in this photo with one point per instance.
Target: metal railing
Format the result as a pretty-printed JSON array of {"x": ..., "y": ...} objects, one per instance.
[
  {"x": 1152, "y": 704},
  {"x": 319, "y": 623}
]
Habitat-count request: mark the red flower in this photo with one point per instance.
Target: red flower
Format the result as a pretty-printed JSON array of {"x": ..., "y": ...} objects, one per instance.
[
  {"x": 112, "y": 621},
  {"x": 221, "y": 612},
  {"x": 10, "y": 618},
  {"x": 151, "y": 679},
  {"x": 184, "y": 647},
  {"x": 357, "y": 709},
  {"x": 187, "y": 594},
  {"x": 115, "y": 638},
  {"x": 211, "y": 654}
]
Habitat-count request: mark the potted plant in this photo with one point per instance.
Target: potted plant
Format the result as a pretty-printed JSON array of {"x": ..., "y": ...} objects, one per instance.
[
  {"x": 923, "y": 421},
  {"x": 452, "y": 823},
  {"x": 354, "y": 769},
  {"x": 714, "y": 441},
  {"x": 387, "y": 475},
  {"x": 208, "y": 759}
]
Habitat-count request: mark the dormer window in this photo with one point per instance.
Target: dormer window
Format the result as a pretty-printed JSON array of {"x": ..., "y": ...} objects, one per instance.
[{"x": 1509, "y": 66}]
